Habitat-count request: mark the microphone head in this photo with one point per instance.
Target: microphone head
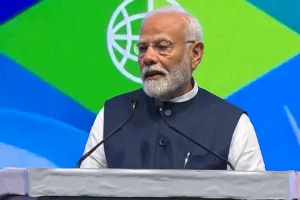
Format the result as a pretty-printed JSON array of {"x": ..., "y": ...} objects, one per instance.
[
  {"x": 135, "y": 99},
  {"x": 158, "y": 105}
]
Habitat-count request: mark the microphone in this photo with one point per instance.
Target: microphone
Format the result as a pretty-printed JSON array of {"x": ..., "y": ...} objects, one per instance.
[
  {"x": 159, "y": 106},
  {"x": 134, "y": 104}
]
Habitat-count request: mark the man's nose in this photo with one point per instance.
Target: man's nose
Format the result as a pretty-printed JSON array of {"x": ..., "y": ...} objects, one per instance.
[{"x": 150, "y": 57}]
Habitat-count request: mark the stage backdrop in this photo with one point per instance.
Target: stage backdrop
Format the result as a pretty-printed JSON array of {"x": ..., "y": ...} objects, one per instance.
[{"x": 60, "y": 60}]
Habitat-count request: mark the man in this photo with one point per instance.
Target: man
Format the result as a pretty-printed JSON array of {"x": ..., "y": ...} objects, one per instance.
[{"x": 169, "y": 50}]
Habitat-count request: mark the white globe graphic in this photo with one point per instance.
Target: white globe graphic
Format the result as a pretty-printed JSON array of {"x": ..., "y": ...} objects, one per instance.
[{"x": 129, "y": 37}]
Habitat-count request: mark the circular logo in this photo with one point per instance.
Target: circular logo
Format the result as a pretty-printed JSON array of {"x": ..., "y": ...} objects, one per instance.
[{"x": 120, "y": 46}]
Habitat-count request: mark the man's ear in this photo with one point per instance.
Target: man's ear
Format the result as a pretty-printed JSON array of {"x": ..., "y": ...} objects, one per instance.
[{"x": 196, "y": 54}]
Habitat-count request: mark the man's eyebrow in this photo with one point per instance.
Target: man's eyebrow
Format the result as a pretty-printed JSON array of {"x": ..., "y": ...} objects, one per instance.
[
  {"x": 142, "y": 42},
  {"x": 162, "y": 39},
  {"x": 157, "y": 40}
]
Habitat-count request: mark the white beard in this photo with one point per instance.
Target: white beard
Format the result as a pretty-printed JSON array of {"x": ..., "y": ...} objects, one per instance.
[{"x": 170, "y": 83}]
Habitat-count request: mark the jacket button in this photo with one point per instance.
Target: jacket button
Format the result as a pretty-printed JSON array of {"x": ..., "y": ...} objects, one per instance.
[
  {"x": 168, "y": 112},
  {"x": 162, "y": 142}
]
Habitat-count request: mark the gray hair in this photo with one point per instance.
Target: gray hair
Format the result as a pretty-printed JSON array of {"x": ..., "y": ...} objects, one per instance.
[{"x": 193, "y": 29}]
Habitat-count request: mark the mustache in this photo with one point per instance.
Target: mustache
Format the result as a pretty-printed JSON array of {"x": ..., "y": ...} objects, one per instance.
[{"x": 153, "y": 68}]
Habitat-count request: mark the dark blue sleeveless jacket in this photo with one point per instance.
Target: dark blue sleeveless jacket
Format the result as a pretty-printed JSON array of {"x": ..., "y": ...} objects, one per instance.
[{"x": 147, "y": 143}]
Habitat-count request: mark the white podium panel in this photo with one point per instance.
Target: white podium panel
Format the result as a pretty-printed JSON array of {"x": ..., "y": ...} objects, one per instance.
[{"x": 119, "y": 183}]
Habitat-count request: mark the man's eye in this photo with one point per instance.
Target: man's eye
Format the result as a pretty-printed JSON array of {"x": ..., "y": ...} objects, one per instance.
[
  {"x": 142, "y": 48},
  {"x": 163, "y": 47}
]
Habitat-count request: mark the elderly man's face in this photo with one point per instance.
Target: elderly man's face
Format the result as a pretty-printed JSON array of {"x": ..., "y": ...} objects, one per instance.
[{"x": 164, "y": 59}]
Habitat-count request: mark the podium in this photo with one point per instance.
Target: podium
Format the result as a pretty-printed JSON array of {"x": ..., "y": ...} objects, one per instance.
[{"x": 83, "y": 184}]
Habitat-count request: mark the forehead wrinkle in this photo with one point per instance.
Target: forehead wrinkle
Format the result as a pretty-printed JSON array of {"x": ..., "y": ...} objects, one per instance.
[{"x": 156, "y": 40}]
